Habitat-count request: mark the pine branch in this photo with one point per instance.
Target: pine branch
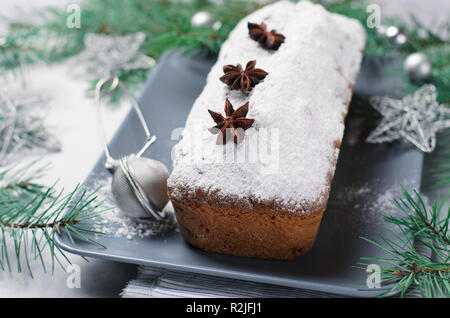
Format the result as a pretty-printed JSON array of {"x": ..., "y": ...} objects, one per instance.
[
  {"x": 167, "y": 25},
  {"x": 406, "y": 268},
  {"x": 31, "y": 215},
  {"x": 415, "y": 269},
  {"x": 57, "y": 225},
  {"x": 30, "y": 44},
  {"x": 422, "y": 223},
  {"x": 21, "y": 185}
]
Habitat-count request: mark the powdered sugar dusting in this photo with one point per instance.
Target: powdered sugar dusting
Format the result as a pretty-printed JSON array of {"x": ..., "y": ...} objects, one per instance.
[
  {"x": 304, "y": 97},
  {"x": 115, "y": 224},
  {"x": 362, "y": 206}
]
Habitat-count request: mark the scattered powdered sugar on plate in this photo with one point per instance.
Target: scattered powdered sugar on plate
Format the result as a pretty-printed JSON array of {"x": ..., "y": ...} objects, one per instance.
[
  {"x": 355, "y": 208},
  {"x": 362, "y": 206},
  {"x": 114, "y": 224}
]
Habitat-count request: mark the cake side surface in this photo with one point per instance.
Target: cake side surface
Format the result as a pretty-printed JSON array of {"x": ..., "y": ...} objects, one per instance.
[
  {"x": 303, "y": 99},
  {"x": 255, "y": 208},
  {"x": 258, "y": 230}
]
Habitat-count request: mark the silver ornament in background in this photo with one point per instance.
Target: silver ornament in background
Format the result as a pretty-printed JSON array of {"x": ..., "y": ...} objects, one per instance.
[
  {"x": 139, "y": 185},
  {"x": 400, "y": 40},
  {"x": 111, "y": 55},
  {"x": 391, "y": 32},
  {"x": 204, "y": 19},
  {"x": 415, "y": 118},
  {"x": 417, "y": 66}
]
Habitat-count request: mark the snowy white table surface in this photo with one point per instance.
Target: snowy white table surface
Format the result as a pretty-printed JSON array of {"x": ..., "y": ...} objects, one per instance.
[{"x": 72, "y": 118}]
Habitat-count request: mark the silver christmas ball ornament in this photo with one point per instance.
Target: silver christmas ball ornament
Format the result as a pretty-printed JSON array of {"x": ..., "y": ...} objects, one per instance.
[
  {"x": 202, "y": 19},
  {"x": 139, "y": 187},
  {"x": 391, "y": 32},
  {"x": 400, "y": 40},
  {"x": 381, "y": 29},
  {"x": 217, "y": 25},
  {"x": 417, "y": 66}
]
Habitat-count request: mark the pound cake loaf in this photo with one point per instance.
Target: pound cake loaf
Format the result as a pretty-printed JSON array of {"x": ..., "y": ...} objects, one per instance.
[{"x": 264, "y": 194}]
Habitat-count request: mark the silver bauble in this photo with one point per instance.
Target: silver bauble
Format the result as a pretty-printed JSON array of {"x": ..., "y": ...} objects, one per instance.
[
  {"x": 381, "y": 30},
  {"x": 417, "y": 66},
  {"x": 216, "y": 25},
  {"x": 400, "y": 40},
  {"x": 391, "y": 32},
  {"x": 139, "y": 187},
  {"x": 202, "y": 19}
]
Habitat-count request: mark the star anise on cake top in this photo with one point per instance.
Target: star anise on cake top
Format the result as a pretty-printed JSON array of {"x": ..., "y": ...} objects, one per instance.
[
  {"x": 270, "y": 40},
  {"x": 238, "y": 78},
  {"x": 232, "y": 125}
]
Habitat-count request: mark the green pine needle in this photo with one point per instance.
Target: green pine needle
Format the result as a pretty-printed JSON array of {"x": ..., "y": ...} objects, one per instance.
[
  {"x": 167, "y": 25},
  {"x": 31, "y": 215},
  {"x": 407, "y": 269}
]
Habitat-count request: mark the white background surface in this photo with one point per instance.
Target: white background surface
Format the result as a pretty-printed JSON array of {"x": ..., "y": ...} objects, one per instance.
[{"x": 72, "y": 118}]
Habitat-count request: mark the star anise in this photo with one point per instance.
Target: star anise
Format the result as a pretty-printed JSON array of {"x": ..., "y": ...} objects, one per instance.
[
  {"x": 238, "y": 78},
  {"x": 234, "y": 124},
  {"x": 270, "y": 40}
]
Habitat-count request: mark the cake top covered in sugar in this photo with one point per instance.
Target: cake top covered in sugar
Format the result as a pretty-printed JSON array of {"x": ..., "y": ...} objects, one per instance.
[{"x": 288, "y": 154}]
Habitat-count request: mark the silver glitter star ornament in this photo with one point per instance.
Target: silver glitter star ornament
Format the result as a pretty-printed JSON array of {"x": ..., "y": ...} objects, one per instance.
[
  {"x": 22, "y": 129},
  {"x": 415, "y": 118},
  {"x": 111, "y": 55}
]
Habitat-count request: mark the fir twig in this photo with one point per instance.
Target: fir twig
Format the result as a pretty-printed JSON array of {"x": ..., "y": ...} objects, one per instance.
[
  {"x": 167, "y": 25},
  {"x": 415, "y": 269},
  {"x": 406, "y": 268},
  {"x": 29, "y": 44},
  {"x": 31, "y": 215}
]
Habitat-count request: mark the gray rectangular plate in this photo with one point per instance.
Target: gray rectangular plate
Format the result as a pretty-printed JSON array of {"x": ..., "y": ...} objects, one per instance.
[{"x": 365, "y": 175}]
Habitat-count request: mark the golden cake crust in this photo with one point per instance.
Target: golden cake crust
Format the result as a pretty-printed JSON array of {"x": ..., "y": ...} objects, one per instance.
[
  {"x": 238, "y": 228},
  {"x": 248, "y": 227}
]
